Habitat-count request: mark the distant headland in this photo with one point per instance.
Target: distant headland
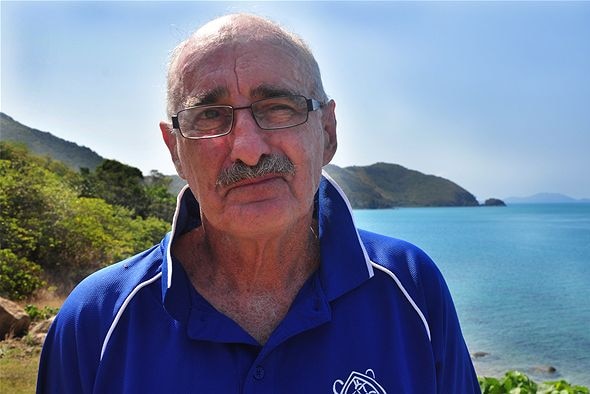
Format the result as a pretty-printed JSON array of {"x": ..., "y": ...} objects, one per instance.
[
  {"x": 385, "y": 185},
  {"x": 546, "y": 198}
]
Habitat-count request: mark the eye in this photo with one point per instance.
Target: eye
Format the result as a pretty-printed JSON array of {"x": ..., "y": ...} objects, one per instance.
[
  {"x": 280, "y": 106},
  {"x": 210, "y": 114}
]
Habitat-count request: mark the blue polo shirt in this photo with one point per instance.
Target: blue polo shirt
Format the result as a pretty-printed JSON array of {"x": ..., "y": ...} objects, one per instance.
[{"x": 376, "y": 317}]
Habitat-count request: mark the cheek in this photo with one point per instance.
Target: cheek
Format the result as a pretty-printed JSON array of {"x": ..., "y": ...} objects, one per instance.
[
  {"x": 308, "y": 158},
  {"x": 201, "y": 164},
  {"x": 314, "y": 151}
]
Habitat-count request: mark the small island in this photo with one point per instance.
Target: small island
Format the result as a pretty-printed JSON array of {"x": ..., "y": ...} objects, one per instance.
[{"x": 494, "y": 202}]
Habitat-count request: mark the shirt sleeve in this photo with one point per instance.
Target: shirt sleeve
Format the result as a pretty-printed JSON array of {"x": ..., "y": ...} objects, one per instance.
[
  {"x": 71, "y": 352},
  {"x": 454, "y": 368},
  {"x": 426, "y": 286},
  {"x": 64, "y": 367}
]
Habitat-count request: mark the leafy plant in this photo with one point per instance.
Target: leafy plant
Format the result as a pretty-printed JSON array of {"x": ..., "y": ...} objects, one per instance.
[
  {"x": 37, "y": 314},
  {"x": 561, "y": 387},
  {"x": 18, "y": 277},
  {"x": 514, "y": 382}
]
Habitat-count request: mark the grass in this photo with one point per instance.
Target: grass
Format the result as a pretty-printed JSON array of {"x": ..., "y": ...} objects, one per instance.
[{"x": 19, "y": 361}]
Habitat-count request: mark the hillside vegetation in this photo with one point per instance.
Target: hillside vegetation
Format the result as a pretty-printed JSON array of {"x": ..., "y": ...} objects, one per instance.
[
  {"x": 59, "y": 225},
  {"x": 384, "y": 185}
]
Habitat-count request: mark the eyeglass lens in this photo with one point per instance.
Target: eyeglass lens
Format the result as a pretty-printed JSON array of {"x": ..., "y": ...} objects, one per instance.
[{"x": 271, "y": 113}]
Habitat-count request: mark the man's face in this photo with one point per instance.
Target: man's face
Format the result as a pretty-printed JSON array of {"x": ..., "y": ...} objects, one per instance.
[{"x": 237, "y": 75}]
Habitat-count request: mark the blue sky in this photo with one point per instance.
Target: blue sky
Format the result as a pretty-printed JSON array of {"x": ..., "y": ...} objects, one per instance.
[{"x": 493, "y": 96}]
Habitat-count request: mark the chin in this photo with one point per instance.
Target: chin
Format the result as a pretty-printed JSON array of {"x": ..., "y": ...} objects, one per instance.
[{"x": 263, "y": 217}]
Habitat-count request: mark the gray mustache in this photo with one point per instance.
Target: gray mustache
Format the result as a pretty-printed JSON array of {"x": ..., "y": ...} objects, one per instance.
[{"x": 268, "y": 164}]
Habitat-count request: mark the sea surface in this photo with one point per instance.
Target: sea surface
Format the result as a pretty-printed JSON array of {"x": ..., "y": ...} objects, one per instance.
[{"x": 519, "y": 276}]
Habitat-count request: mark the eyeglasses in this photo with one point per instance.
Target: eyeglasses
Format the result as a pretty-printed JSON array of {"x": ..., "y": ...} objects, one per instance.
[{"x": 210, "y": 121}]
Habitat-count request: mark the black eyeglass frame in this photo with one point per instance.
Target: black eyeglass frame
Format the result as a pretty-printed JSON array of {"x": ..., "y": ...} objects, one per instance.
[{"x": 312, "y": 105}]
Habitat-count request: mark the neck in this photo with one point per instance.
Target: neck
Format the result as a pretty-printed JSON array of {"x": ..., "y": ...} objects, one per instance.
[
  {"x": 265, "y": 262},
  {"x": 252, "y": 280}
]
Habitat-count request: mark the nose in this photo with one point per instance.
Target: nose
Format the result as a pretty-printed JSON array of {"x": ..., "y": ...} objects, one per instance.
[{"x": 248, "y": 141}]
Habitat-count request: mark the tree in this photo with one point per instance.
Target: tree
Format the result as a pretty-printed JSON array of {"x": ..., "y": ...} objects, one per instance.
[
  {"x": 161, "y": 202},
  {"x": 118, "y": 184}
]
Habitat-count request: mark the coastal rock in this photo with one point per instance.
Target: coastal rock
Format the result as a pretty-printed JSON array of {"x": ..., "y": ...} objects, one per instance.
[
  {"x": 494, "y": 202},
  {"x": 479, "y": 354},
  {"x": 14, "y": 321},
  {"x": 548, "y": 369}
]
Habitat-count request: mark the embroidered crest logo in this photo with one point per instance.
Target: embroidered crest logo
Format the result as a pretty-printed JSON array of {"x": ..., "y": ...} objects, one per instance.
[{"x": 358, "y": 383}]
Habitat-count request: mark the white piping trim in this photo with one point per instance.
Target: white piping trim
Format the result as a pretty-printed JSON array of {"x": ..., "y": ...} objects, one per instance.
[
  {"x": 399, "y": 284},
  {"x": 122, "y": 309},
  {"x": 169, "y": 247},
  {"x": 343, "y": 196}
]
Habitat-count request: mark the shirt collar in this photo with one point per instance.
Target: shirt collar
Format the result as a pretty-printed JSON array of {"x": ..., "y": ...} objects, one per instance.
[{"x": 344, "y": 261}]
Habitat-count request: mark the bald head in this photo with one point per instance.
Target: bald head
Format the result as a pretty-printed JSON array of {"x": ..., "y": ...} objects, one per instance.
[{"x": 237, "y": 29}]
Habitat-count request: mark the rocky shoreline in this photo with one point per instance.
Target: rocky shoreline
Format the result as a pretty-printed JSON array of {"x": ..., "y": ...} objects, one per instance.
[{"x": 486, "y": 364}]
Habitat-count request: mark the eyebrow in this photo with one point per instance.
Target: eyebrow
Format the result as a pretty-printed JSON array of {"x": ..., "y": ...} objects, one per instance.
[
  {"x": 214, "y": 95},
  {"x": 207, "y": 97},
  {"x": 264, "y": 91}
]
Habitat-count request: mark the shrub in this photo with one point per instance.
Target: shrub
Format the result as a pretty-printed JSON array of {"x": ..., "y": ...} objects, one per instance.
[
  {"x": 48, "y": 229},
  {"x": 19, "y": 277},
  {"x": 514, "y": 382},
  {"x": 37, "y": 314}
]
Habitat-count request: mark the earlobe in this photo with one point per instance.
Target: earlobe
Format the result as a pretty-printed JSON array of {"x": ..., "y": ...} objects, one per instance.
[
  {"x": 171, "y": 142},
  {"x": 329, "y": 124}
]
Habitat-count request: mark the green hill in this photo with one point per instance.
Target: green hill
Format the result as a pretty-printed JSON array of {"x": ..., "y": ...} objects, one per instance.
[
  {"x": 46, "y": 144},
  {"x": 384, "y": 185}
]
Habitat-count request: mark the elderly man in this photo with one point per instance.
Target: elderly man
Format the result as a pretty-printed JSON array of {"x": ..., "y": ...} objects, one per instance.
[{"x": 264, "y": 284}]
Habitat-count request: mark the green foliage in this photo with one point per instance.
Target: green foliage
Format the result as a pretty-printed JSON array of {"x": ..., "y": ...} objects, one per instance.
[
  {"x": 49, "y": 231},
  {"x": 161, "y": 203},
  {"x": 94, "y": 234},
  {"x": 123, "y": 185},
  {"x": 561, "y": 387},
  {"x": 514, "y": 382},
  {"x": 117, "y": 184},
  {"x": 18, "y": 277},
  {"x": 37, "y": 314}
]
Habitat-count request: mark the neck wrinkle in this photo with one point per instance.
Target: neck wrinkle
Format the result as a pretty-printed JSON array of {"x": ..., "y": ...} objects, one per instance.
[{"x": 244, "y": 266}]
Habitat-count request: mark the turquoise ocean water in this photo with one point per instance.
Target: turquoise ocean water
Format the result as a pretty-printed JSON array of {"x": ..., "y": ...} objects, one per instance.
[{"x": 519, "y": 276}]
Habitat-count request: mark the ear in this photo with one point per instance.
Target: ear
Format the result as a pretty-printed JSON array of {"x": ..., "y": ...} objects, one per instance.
[
  {"x": 329, "y": 125},
  {"x": 171, "y": 141}
]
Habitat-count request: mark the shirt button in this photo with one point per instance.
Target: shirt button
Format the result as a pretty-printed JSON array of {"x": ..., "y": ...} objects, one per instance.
[{"x": 259, "y": 373}]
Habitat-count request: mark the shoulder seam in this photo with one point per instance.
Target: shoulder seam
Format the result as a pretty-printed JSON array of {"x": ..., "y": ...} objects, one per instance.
[
  {"x": 172, "y": 234},
  {"x": 349, "y": 207},
  {"x": 406, "y": 294},
  {"x": 122, "y": 309}
]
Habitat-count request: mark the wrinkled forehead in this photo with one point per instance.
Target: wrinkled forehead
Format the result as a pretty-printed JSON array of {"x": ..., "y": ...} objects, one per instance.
[{"x": 205, "y": 69}]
